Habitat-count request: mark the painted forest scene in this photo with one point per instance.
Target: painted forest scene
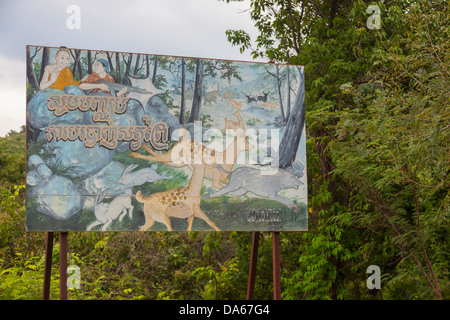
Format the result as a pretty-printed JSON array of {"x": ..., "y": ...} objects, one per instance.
[
  {"x": 104, "y": 130},
  {"x": 114, "y": 141}
]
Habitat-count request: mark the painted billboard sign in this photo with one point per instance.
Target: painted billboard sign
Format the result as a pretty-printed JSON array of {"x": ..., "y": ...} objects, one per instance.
[{"x": 125, "y": 141}]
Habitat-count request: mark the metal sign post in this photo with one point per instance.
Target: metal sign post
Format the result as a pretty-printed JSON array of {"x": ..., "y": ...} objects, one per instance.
[
  {"x": 48, "y": 266},
  {"x": 63, "y": 249},
  {"x": 275, "y": 263},
  {"x": 253, "y": 261}
]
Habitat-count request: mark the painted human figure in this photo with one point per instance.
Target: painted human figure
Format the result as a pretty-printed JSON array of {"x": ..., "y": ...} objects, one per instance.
[
  {"x": 101, "y": 69},
  {"x": 58, "y": 75}
]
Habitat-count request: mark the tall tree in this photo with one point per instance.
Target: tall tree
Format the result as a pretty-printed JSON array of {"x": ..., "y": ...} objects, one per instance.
[
  {"x": 288, "y": 92},
  {"x": 147, "y": 66},
  {"x": 89, "y": 61},
  {"x": 45, "y": 61},
  {"x": 155, "y": 68},
  {"x": 117, "y": 67},
  {"x": 111, "y": 65},
  {"x": 136, "y": 65},
  {"x": 295, "y": 124},
  {"x": 127, "y": 66},
  {"x": 183, "y": 91},
  {"x": 76, "y": 55},
  {"x": 280, "y": 100},
  {"x": 210, "y": 68},
  {"x": 197, "y": 100},
  {"x": 31, "y": 76},
  {"x": 368, "y": 152},
  {"x": 279, "y": 77}
]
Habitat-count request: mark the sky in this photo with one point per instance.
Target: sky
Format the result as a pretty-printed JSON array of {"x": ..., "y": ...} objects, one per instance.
[{"x": 189, "y": 28}]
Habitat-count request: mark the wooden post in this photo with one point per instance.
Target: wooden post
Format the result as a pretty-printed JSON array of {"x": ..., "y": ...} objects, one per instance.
[
  {"x": 252, "y": 269},
  {"x": 47, "y": 266},
  {"x": 63, "y": 249},
  {"x": 276, "y": 265}
]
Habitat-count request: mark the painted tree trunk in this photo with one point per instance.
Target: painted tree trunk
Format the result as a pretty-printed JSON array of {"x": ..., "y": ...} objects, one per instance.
[
  {"x": 136, "y": 65},
  {"x": 183, "y": 89},
  {"x": 291, "y": 137},
  {"x": 45, "y": 61},
  {"x": 197, "y": 100},
  {"x": 155, "y": 68},
  {"x": 89, "y": 62},
  {"x": 30, "y": 71},
  {"x": 280, "y": 101},
  {"x": 111, "y": 66},
  {"x": 147, "y": 63},
  {"x": 117, "y": 68},
  {"x": 288, "y": 97},
  {"x": 127, "y": 68}
]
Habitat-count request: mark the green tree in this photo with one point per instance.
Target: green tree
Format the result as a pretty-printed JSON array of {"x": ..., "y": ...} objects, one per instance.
[
  {"x": 397, "y": 141},
  {"x": 377, "y": 121},
  {"x": 12, "y": 158}
]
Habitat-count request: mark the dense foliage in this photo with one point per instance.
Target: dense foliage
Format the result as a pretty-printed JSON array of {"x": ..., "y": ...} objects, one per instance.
[
  {"x": 378, "y": 159},
  {"x": 378, "y": 168}
]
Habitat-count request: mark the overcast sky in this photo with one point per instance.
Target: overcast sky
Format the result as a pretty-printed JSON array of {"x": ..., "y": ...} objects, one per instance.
[{"x": 190, "y": 28}]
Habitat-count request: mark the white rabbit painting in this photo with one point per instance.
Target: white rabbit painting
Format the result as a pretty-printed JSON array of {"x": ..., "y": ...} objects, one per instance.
[
  {"x": 106, "y": 213},
  {"x": 139, "y": 177}
]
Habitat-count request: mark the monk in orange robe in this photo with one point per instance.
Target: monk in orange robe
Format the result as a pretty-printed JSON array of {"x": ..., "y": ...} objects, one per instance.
[{"x": 58, "y": 75}]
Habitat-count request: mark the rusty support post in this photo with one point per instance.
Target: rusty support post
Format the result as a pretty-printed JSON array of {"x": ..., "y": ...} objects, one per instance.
[
  {"x": 47, "y": 266},
  {"x": 63, "y": 249},
  {"x": 276, "y": 265},
  {"x": 252, "y": 269}
]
